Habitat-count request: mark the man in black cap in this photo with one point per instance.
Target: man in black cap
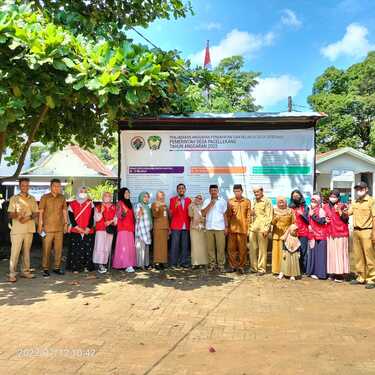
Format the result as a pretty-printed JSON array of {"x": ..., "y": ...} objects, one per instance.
[{"x": 363, "y": 211}]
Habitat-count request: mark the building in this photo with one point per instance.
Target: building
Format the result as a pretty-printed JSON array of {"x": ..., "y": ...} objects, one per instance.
[{"x": 342, "y": 169}]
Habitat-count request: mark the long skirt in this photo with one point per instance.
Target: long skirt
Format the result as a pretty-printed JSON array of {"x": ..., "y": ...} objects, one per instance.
[
  {"x": 80, "y": 252},
  {"x": 143, "y": 253},
  {"x": 317, "y": 260},
  {"x": 290, "y": 263},
  {"x": 160, "y": 245},
  {"x": 199, "y": 254},
  {"x": 338, "y": 256},
  {"x": 277, "y": 252},
  {"x": 125, "y": 255},
  {"x": 102, "y": 247}
]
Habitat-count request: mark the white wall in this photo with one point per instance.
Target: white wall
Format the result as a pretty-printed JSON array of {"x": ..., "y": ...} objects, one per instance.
[{"x": 345, "y": 162}]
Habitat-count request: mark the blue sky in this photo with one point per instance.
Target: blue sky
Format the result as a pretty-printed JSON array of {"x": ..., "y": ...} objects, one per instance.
[{"x": 289, "y": 42}]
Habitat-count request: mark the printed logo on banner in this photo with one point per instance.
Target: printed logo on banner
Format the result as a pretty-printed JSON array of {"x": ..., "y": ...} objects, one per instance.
[
  {"x": 154, "y": 142},
  {"x": 137, "y": 143}
]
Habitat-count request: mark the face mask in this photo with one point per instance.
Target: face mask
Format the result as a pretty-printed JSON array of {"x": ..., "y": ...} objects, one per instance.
[
  {"x": 333, "y": 200},
  {"x": 314, "y": 204},
  {"x": 82, "y": 195},
  {"x": 361, "y": 193},
  {"x": 106, "y": 200}
]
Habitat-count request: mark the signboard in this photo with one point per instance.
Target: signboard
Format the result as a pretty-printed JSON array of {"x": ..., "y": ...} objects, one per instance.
[{"x": 278, "y": 160}]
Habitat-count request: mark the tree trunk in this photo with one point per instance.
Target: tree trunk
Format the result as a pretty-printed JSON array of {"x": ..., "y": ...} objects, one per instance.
[
  {"x": 2, "y": 144},
  {"x": 30, "y": 140}
]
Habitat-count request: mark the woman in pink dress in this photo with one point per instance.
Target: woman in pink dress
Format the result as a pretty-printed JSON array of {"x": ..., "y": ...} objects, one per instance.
[
  {"x": 125, "y": 255},
  {"x": 338, "y": 237}
]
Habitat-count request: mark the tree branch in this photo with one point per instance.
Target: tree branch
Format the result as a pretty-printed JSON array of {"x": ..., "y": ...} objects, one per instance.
[{"x": 27, "y": 145}]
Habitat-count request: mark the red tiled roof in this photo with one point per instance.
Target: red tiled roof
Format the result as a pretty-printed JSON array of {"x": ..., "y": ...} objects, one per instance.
[
  {"x": 91, "y": 161},
  {"x": 324, "y": 154}
]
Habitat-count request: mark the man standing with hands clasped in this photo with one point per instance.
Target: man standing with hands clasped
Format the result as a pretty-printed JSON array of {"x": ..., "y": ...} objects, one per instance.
[
  {"x": 23, "y": 210},
  {"x": 214, "y": 210},
  {"x": 53, "y": 222},
  {"x": 363, "y": 211},
  {"x": 261, "y": 219}
]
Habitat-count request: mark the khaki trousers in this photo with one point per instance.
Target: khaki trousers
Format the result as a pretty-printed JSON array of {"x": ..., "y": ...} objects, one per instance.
[
  {"x": 237, "y": 250},
  {"x": 258, "y": 252},
  {"x": 21, "y": 241},
  {"x": 55, "y": 240},
  {"x": 215, "y": 247},
  {"x": 364, "y": 255},
  {"x": 277, "y": 252}
]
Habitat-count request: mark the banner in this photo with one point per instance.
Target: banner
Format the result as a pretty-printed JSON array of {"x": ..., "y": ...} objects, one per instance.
[{"x": 279, "y": 161}]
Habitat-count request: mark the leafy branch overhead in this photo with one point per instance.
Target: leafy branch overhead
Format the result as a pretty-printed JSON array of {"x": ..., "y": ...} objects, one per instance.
[{"x": 86, "y": 83}]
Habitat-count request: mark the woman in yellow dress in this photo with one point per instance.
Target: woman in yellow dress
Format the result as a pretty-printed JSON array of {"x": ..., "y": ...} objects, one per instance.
[{"x": 283, "y": 218}]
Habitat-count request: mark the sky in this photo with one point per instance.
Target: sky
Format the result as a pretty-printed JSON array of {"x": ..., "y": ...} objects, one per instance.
[{"x": 289, "y": 42}]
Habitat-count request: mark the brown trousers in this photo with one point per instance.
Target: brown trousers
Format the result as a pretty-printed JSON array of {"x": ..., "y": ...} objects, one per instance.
[
  {"x": 55, "y": 240},
  {"x": 20, "y": 242},
  {"x": 216, "y": 247},
  {"x": 237, "y": 250},
  {"x": 364, "y": 255}
]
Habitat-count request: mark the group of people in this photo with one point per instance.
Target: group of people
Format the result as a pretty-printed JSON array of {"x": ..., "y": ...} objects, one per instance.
[{"x": 307, "y": 239}]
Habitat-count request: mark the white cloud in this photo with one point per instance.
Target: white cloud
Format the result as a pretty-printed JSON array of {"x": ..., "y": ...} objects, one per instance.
[
  {"x": 209, "y": 26},
  {"x": 236, "y": 42},
  {"x": 354, "y": 43},
  {"x": 289, "y": 18},
  {"x": 272, "y": 90}
]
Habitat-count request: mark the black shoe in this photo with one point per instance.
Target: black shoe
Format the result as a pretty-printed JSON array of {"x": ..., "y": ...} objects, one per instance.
[
  {"x": 229, "y": 270},
  {"x": 370, "y": 286},
  {"x": 186, "y": 266},
  {"x": 261, "y": 273},
  {"x": 58, "y": 272},
  {"x": 45, "y": 273}
]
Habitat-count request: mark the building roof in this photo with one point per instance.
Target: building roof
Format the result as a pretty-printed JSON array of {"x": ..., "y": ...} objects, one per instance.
[
  {"x": 239, "y": 119},
  {"x": 325, "y": 156},
  {"x": 72, "y": 161}
]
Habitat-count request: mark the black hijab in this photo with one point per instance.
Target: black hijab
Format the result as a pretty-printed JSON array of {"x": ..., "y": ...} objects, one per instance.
[
  {"x": 296, "y": 203},
  {"x": 121, "y": 197}
]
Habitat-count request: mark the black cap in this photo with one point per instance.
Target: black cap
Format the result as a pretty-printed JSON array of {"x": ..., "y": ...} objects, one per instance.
[
  {"x": 237, "y": 187},
  {"x": 361, "y": 185}
]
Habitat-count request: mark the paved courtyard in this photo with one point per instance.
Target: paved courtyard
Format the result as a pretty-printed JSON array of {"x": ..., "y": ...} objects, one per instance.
[{"x": 184, "y": 322}]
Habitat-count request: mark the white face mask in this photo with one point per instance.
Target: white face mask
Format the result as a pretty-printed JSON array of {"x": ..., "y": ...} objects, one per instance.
[
  {"x": 333, "y": 200},
  {"x": 82, "y": 195},
  {"x": 107, "y": 200},
  {"x": 361, "y": 193}
]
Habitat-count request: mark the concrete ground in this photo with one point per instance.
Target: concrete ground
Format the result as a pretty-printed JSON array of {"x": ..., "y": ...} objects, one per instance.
[{"x": 184, "y": 322}]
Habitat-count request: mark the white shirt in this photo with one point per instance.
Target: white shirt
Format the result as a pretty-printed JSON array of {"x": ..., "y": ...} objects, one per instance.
[{"x": 215, "y": 216}]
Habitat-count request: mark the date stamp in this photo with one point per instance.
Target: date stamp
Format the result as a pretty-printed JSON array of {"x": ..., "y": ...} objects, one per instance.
[{"x": 55, "y": 352}]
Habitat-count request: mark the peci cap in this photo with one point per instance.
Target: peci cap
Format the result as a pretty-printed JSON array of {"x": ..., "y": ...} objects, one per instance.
[
  {"x": 237, "y": 187},
  {"x": 361, "y": 185}
]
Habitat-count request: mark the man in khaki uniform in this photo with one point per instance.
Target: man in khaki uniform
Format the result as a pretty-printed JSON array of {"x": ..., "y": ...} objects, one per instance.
[
  {"x": 23, "y": 211},
  {"x": 261, "y": 219},
  {"x": 238, "y": 225},
  {"x": 53, "y": 219},
  {"x": 363, "y": 211}
]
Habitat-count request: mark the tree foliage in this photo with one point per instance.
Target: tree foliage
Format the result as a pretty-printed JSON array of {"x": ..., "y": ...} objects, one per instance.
[
  {"x": 227, "y": 88},
  {"x": 59, "y": 86},
  {"x": 348, "y": 97}
]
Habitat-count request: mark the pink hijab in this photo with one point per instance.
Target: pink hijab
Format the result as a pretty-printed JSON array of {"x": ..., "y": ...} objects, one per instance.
[{"x": 317, "y": 199}]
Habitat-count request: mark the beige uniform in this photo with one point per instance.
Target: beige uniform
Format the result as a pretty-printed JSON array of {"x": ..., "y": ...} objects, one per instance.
[
  {"x": 363, "y": 211},
  {"x": 21, "y": 234}
]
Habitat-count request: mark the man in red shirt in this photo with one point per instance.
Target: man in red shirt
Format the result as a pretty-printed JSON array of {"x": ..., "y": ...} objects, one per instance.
[{"x": 180, "y": 225}]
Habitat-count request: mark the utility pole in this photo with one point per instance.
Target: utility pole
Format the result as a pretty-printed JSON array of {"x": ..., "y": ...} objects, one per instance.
[{"x": 290, "y": 104}]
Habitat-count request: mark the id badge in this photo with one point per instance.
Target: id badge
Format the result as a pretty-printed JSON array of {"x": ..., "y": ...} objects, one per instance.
[{"x": 165, "y": 213}]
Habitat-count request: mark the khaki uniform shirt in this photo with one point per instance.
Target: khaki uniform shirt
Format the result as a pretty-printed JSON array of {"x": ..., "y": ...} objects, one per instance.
[
  {"x": 363, "y": 211},
  {"x": 26, "y": 206},
  {"x": 281, "y": 222},
  {"x": 262, "y": 218},
  {"x": 53, "y": 207},
  {"x": 160, "y": 215},
  {"x": 239, "y": 215}
]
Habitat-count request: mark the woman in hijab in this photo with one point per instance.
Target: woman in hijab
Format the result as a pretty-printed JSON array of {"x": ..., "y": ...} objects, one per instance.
[
  {"x": 105, "y": 225},
  {"x": 290, "y": 254},
  {"x": 143, "y": 227},
  {"x": 199, "y": 255},
  {"x": 160, "y": 230},
  {"x": 338, "y": 237},
  {"x": 301, "y": 214},
  {"x": 125, "y": 255},
  {"x": 283, "y": 218},
  {"x": 317, "y": 259},
  {"x": 81, "y": 218}
]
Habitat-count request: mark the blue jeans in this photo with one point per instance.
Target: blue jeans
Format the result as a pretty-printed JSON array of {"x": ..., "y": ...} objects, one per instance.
[
  {"x": 304, "y": 254},
  {"x": 179, "y": 254}
]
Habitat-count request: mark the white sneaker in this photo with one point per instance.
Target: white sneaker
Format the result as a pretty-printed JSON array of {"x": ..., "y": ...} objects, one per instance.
[
  {"x": 130, "y": 269},
  {"x": 292, "y": 278},
  {"x": 281, "y": 275},
  {"x": 314, "y": 277},
  {"x": 338, "y": 281},
  {"x": 102, "y": 269}
]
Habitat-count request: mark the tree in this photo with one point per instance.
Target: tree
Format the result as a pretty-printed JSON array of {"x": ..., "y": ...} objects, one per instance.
[
  {"x": 227, "y": 88},
  {"x": 348, "y": 98},
  {"x": 59, "y": 86}
]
